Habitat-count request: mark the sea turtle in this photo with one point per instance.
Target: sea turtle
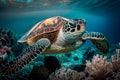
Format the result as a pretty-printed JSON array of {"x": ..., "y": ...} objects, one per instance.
[{"x": 54, "y": 35}]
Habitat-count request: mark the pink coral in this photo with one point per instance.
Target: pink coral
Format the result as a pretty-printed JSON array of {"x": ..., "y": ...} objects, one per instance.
[
  {"x": 99, "y": 67},
  {"x": 116, "y": 60},
  {"x": 6, "y": 39},
  {"x": 4, "y": 49},
  {"x": 3, "y": 53}
]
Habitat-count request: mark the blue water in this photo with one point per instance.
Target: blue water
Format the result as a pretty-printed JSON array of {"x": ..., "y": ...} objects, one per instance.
[
  {"x": 101, "y": 16},
  {"x": 19, "y": 16}
]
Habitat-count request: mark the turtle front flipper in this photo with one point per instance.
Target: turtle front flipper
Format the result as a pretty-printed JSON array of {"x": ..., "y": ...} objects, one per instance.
[
  {"x": 26, "y": 57},
  {"x": 98, "y": 40}
]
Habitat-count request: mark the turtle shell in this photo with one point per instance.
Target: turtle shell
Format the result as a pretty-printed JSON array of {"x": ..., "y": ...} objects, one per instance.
[{"x": 48, "y": 28}]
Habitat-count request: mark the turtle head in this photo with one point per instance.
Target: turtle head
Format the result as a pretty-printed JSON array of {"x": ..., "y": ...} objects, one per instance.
[{"x": 74, "y": 28}]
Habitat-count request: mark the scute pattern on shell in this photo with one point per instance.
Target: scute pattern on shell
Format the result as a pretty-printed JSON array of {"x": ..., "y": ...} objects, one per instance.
[{"x": 46, "y": 26}]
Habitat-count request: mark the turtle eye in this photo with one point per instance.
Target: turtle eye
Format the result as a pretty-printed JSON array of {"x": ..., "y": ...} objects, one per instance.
[{"x": 71, "y": 24}]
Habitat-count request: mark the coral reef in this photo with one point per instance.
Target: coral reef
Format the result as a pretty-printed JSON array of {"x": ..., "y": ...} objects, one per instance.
[
  {"x": 4, "y": 49},
  {"x": 7, "y": 40},
  {"x": 66, "y": 74},
  {"x": 41, "y": 72},
  {"x": 116, "y": 60},
  {"x": 114, "y": 75},
  {"x": 51, "y": 63},
  {"x": 38, "y": 73},
  {"x": 3, "y": 53},
  {"x": 99, "y": 67},
  {"x": 79, "y": 67},
  {"x": 74, "y": 64}
]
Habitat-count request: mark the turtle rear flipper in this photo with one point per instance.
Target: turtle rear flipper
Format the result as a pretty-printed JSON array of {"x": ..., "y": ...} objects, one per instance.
[
  {"x": 98, "y": 40},
  {"x": 26, "y": 57}
]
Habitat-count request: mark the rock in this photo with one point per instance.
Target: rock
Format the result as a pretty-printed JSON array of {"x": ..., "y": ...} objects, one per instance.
[
  {"x": 38, "y": 73},
  {"x": 51, "y": 63},
  {"x": 79, "y": 67}
]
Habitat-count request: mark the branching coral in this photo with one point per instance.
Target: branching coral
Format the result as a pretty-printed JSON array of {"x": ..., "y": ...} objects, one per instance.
[
  {"x": 66, "y": 74},
  {"x": 99, "y": 67},
  {"x": 116, "y": 60},
  {"x": 7, "y": 40},
  {"x": 114, "y": 75},
  {"x": 3, "y": 53}
]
